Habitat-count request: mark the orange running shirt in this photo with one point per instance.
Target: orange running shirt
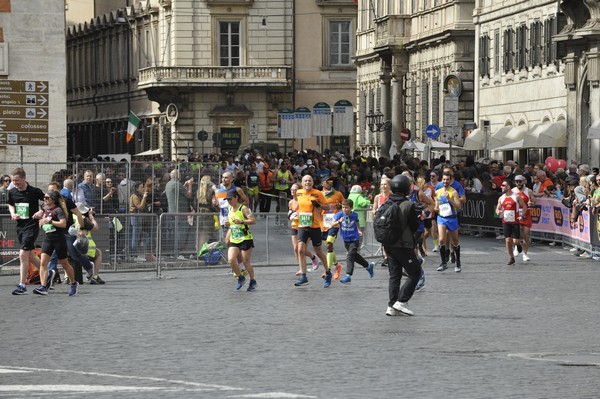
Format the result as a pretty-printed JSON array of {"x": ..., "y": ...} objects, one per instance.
[{"x": 310, "y": 216}]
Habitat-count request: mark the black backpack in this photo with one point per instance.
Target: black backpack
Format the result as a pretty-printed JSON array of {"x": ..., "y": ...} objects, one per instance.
[{"x": 385, "y": 223}]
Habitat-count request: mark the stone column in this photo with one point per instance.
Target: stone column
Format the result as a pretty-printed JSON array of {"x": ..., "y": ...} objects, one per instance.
[
  {"x": 573, "y": 114},
  {"x": 385, "y": 135}
]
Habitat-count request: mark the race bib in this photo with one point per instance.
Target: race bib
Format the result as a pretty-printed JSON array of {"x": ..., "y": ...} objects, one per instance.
[
  {"x": 509, "y": 216},
  {"x": 306, "y": 219},
  {"x": 48, "y": 228},
  {"x": 22, "y": 209},
  {"x": 237, "y": 231},
  {"x": 445, "y": 210},
  {"x": 327, "y": 220}
]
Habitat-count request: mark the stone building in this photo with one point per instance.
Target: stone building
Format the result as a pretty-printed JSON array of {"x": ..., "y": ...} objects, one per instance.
[{"x": 205, "y": 74}]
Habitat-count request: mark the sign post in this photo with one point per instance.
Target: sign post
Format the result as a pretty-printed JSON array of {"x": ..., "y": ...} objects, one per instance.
[{"x": 24, "y": 112}]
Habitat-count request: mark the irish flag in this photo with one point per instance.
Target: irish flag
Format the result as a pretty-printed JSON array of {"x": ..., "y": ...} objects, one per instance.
[{"x": 132, "y": 126}]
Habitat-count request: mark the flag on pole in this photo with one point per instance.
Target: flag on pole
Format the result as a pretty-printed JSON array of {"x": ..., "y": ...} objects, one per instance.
[{"x": 134, "y": 123}]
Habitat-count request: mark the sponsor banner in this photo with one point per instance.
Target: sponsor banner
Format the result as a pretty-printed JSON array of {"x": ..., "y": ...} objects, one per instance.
[
  {"x": 549, "y": 215},
  {"x": 480, "y": 210}
]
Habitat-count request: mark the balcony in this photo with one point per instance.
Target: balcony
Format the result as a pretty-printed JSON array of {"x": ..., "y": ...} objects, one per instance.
[
  {"x": 392, "y": 32},
  {"x": 273, "y": 76}
]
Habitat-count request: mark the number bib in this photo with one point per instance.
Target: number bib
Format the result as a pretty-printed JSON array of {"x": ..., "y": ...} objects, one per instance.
[
  {"x": 48, "y": 228},
  {"x": 445, "y": 210},
  {"x": 328, "y": 220},
  {"x": 509, "y": 216},
  {"x": 22, "y": 209},
  {"x": 306, "y": 219},
  {"x": 238, "y": 232}
]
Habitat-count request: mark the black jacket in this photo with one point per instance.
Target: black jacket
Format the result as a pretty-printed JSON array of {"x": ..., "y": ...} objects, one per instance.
[{"x": 407, "y": 222}]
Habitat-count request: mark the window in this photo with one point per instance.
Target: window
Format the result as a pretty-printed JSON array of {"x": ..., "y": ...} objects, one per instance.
[
  {"x": 521, "y": 47},
  {"x": 484, "y": 59},
  {"x": 340, "y": 43},
  {"x": 229, "y": 43},
  {"x": 549, "y": 46},
  {"x": 508, "y": 63},
  {"x": 497, "y": 52},
  {"x": 535, "y": 42}
]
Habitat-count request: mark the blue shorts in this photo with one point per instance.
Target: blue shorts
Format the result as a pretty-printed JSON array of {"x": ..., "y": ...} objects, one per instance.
[{"x": 450, "y": 223}]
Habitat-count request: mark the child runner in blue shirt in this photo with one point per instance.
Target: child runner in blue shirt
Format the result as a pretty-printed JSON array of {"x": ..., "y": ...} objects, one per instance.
[{"x": 351, "y": 232}]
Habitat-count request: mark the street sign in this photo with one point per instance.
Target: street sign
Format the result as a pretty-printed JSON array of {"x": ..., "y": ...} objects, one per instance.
[
  {"x": 253, "y": 131},
  {"x": 433, "y": 131},
  {"x": 203, "y": 135},
  {"x": 405, "y": 134},
  {"x": 23, "y": 112}
]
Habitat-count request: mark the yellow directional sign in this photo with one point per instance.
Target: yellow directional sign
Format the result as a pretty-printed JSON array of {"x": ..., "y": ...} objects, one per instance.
[{"x": 24, "y": 112}]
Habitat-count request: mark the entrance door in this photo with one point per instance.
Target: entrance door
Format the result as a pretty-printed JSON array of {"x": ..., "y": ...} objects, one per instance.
[{"x": 231, "y": 138}]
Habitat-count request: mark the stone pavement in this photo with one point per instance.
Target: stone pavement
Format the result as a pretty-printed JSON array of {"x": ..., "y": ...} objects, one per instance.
[{"x": 492, "y": 331}]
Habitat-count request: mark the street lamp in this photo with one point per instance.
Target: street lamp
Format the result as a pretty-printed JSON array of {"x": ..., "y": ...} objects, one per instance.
[
  {"x": 375, "y": 121},
  {"x": 450, "y": 138}
]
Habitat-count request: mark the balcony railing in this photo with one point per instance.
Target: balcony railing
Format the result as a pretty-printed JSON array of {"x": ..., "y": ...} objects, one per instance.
[
  {"x": 271, "y": 76},
  {"x": 392, "y": 31}
]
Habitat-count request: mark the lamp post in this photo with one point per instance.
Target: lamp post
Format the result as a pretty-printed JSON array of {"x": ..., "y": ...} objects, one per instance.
[
  {"x": 450, "y": 138},
  {"x": 376, "y": 123},
  {"x": 123, "y": 20}
]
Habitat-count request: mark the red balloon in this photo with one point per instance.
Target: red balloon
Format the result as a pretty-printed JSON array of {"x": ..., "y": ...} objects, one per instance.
[
  {"x": 547, "y": 159},
  {"x": 552, "y": 165},
  {"x": 562, "y": 164}
]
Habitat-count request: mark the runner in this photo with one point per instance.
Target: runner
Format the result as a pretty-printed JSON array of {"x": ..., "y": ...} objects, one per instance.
[
  {"x": 253, "y": 187},
  {"x": 329, "y": 233},
  {"x": 526, "y": 221},
  {"x": 294, "y": 219},
  {"x": 310, "y": 203},
  {"x": 451, "y": 255},
  {"x": 447, "y": 203},
  {"x": 239, "y": 239},
  {"x": 512, "y": 208}
]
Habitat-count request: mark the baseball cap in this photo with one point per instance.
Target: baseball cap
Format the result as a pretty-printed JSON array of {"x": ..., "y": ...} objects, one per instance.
[
  {"x": 520, "y": 177},
  {"x": 231, "y": 194}
]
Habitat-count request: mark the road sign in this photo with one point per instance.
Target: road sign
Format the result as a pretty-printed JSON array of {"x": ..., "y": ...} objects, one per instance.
[
  {"x": 405, "y": 134},
  {"x": 24, "y": 112},
  {"x": 433, "y": 131},
  {"x": 202, "y": 135},
  {"x": 253, "y": 131}
]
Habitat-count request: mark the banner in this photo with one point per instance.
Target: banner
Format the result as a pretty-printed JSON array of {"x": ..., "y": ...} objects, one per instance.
[
  {"x": 549, "y": 215},
  {"x": 321, "y": 119},
  {"x": 343, "y": 118},
  {"x": 285, "y": 124},
  {"x": 302, "y": 123}
]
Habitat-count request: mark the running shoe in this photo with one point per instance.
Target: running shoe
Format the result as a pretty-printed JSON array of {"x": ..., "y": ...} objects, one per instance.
[
  {"x": 252, "y": 285},
  {"x": 515, "y": 251},
  {"x": 457, "y": 269},
  {"x": 511, "y": 261},
  {"x": 315, "y": 262},
  {"x": 73, "y": 289},
  {"x": 435, "y": 248},
  {"x": 327, "y": 281},
  {"x": 595, "y": 257},
  {"x": 401, "y": 307},
  {"x": 96, "y": 280},
  {"x": 240, "y": 282},
  {"x": 337, "y": 270},
  {"x": 50, "y": 279},
  {"x": 20, "y": 290},
  {"x": 139, "y": 259},
  {"x": 346, "y": 279},
  {"x": 89, "y": 273},
  {"x": 421, "y": 284},
  {"x": 525, "y": 257},
  {"x": 392, "y": 312},
  {"x": 302, "y": 280},
  {"x": 371, "y": 269},
  {"x": 442, "y": 267},
  {"x": 41, "y": 290}
]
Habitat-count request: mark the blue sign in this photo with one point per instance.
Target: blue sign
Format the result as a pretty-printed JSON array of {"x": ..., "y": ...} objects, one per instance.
[{"x": 433, "y": 131}]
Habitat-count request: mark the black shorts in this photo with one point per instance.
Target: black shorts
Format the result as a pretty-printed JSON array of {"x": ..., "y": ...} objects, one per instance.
[
  {"x": 27, "y": 237},
  {"x": 427, "y": 223},
  {"x": 312, "y": 233},
  {"x": 294, "y": 232},
  {"x": 512, "y": 230},
  {"x": 56, "y": 244},
  {"x": 244, "y": 245}
]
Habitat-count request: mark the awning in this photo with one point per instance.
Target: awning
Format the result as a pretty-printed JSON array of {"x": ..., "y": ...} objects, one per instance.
[
  {"x": 547, "y": 135},
  {"x": 148, "y": 152},
  {"x": 594, "y": 131},
  {"x": 498, "y": 138},
  {"x": 420, "y": 147},
  {"x": 517, "y": 145},
  {"x": 475, "y": 141},
  {"x": 408, "y": 145}
]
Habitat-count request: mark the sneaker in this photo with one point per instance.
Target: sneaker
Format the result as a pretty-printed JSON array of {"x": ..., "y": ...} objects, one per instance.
[
  {"x": 401, "y": 307},
  {"x": 327, "y": 281},
  {"x": 525, "y": 257},
  {"x": 337, "y": 270},
  {"x": 302, "y": 280},
  {"x": 315, "y": 262},
  {"x": 596, "y": 257},
  {"x": 96, "y": 280},
  {"x": 73, "y": 289},
  {"x": 20, "y": 290},
  {"x": 500, "y": 237},
  {"x": 90, "y": 273},
  {"x": 240, "y": 283},
  {"x": 586, "y": 255},
  {"x": 180, "y": 257},
  {"x": 511, "y": 261},
  {"x": 578, "y": 252},
  {"x": 421, "y": 284},
  {"x": 346, "y": 279},
  {"x": 442, "y": 267},
  {"x": 457, "y": 269},
  {"x": 41, "y": 290},
  {"x": 139, "y": 258},
  {"x": 371, "y": 269},
  {"x": 384, "y": 263},
  {"x": 252, "y": 285},
  {"x": 435, "y": 248},
  {"x": 392, "y": 312},
  {"x": 152, "y": 258},
  {"x": 515, "y": 251},
  {"x": 50, "y": 279},
  {"x": 552, "y": 244},
  {"x": 573, "y": 249}
]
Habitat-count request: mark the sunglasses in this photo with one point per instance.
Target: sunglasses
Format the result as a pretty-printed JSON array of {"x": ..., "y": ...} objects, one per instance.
[
  {"x": 6, "y": 180},
  {"x": 47, "y": 197}
]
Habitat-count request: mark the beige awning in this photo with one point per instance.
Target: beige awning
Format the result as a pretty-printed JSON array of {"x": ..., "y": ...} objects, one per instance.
[
  {"x": 513, "y": 135},
  {"x": 594, "y": 131},
  {"x": 547, "y": 135},
  {"x": 475, "y": 141},
  {"x": 498, "y": 138}
]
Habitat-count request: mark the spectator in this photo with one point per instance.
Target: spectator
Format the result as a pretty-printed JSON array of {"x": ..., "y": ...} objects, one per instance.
[
  {"x": 4, "y": 194},
  {"x": 87, "y": 187},
  {"x": 178, "y": 196}
]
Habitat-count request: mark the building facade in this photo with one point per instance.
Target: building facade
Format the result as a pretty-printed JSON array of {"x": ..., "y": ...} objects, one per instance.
[
  {"x": 415, "y": 64},
  {"x": 205, "y": 75},
  {"x": 32, "y": 69}
]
